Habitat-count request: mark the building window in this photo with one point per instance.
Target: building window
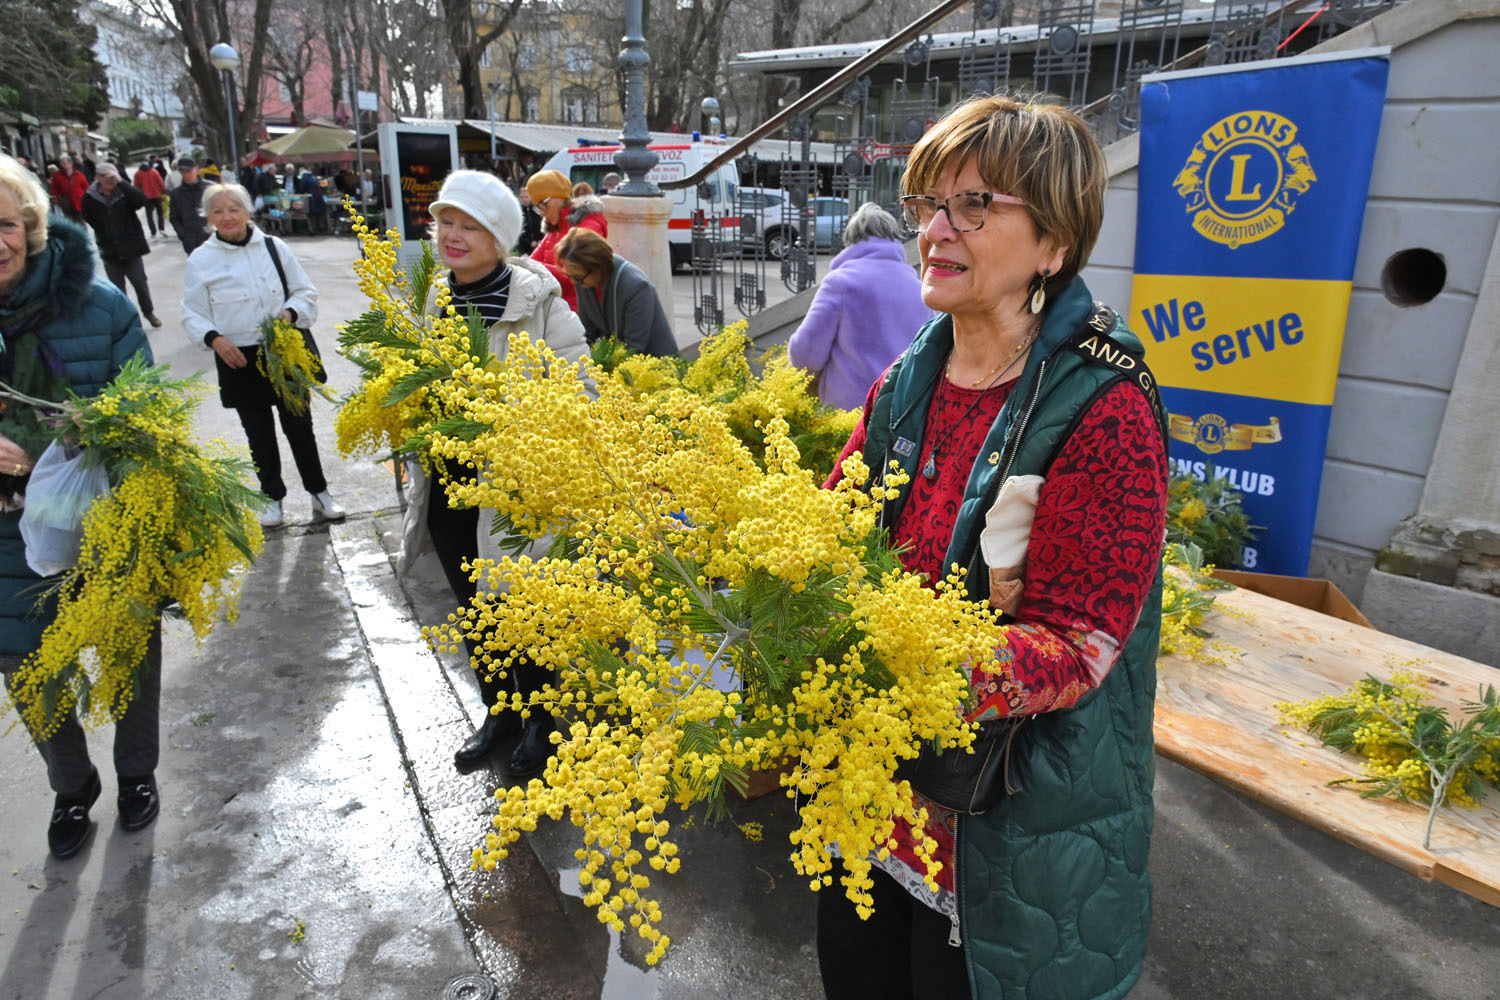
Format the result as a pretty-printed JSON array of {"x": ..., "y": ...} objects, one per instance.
[
  {"x": 484, "y": 58},
  {"x": 528, "y": 57},
  {"x": 283, "y": 94},
  {"x": 580, "y": 106},
  {"x": 576, "y": 59},
  {"x": 533, "y": 106}
]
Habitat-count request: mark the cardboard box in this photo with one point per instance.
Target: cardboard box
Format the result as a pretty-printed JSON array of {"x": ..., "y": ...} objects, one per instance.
[{"x": 1316, "y": 595}]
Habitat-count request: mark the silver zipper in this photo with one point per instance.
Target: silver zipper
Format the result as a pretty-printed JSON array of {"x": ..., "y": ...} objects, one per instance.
[{"x": 953, "y": 938}]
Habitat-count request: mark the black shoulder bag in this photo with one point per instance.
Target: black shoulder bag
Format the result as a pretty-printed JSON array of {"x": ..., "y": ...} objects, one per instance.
[{"x": 319, "y": 373}]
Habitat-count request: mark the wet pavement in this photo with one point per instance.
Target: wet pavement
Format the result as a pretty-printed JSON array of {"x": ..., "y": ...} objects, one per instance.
[{"x": 314, "y": 838}]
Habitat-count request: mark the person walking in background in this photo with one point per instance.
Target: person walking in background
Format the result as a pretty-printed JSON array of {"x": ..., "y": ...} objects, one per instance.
[
  {"x": 865, "y": 312},
  {"x": 150, "y": 184},
  {"x": 186, "y": 211},
  {"x": 552, "y": 198},
  {"x": 52, "y": 305},
  {"x": 615, "y": 298},
  {"x": 110, "y": 206},
  {"x": 233, "y": 283},
  {"x": 531, "y": 226},
  {"x": 67, "y": 186},
  {"x": 211, "y": 172}
]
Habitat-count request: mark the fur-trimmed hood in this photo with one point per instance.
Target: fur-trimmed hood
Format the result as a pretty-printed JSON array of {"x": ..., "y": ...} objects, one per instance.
[
  {"x": 61, "y": 271},
  {"x": 588, "y": 204}
]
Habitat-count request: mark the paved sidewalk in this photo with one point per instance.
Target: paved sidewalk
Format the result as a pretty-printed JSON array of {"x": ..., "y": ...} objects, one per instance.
[{"x": 307, "y": 780}]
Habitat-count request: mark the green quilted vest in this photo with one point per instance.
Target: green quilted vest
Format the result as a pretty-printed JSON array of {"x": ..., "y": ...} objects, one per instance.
[{"x": 1054, "y": 894}]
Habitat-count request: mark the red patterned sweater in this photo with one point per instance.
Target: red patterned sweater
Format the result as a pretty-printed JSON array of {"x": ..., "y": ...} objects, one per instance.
[{"x": 1094, "y": 549}]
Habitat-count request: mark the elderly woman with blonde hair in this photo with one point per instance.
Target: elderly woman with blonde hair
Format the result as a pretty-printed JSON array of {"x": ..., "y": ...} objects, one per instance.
[
  {"x": 235, "y": 280},
  {"x": 64, "y": 328},
  {"x": 1033, "y": 455}
]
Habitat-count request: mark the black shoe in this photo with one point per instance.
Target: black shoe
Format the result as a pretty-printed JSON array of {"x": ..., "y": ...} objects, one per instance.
[
  {"x": 495, "y": 730},
  {"x": 138, "y": 802},
  {"x": 151, "y": 318},
  {"x": 70, "y": 826},
  {"x": 534, "y": 750}
]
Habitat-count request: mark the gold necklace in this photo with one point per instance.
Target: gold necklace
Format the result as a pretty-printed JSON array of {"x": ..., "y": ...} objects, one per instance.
[
  {"x": 929, "y": 470},
  {"x": 1008, "y": 363}
]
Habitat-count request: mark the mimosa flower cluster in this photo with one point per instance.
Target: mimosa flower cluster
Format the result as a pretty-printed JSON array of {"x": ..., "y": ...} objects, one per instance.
[
  {"x": 175, "y": 532},
  {"x": 722, "y": 374},
  {"x": 1187, "y": 596},
  {"x": 287, "y": 363},
  {"x": 708, "y": 608},
  {"x": 1411, "y": 748},
  {"x": 712, "y": 616},
  {"x": 406, "y": 340}
]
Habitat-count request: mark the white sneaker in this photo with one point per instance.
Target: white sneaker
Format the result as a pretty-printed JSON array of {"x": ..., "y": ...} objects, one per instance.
[
  {"x": 324, "y": 508},
  {"x": 270, "y": 514}
]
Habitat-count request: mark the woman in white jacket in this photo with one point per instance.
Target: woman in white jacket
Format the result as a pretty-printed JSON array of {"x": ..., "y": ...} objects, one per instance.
[
  {"x": 236, "y": 279},
  {"x": 477, "y": 220}
]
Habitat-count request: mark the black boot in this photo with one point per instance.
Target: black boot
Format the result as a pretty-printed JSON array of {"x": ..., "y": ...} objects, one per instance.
[
  {"x": 532, "y": 753},
  {"x": 70, "y": 826},
  {"x": 495, "y": 730}
]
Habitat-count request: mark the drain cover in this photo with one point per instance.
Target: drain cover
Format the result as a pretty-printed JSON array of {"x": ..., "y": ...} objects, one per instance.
[{"x": 470, "y": 986}]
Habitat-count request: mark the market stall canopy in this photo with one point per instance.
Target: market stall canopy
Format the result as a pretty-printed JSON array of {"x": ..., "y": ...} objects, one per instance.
[{"x": 312, "y": 144}]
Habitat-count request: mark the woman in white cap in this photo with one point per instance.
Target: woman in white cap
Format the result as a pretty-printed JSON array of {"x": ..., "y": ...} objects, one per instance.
[{"x": 478, "y": 220}]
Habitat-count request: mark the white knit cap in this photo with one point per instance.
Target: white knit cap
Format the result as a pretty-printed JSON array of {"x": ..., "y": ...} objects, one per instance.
[{"x": 485, "y": 198}]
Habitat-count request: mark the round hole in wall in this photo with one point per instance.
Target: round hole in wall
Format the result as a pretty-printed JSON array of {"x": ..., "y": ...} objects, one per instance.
[{"x": 1413, "y": 277}]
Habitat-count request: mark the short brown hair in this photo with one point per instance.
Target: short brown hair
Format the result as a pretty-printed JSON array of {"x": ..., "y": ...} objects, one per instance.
[
  {"x": 587, "y": 250},
  {"x": 1043, "y": 154}
]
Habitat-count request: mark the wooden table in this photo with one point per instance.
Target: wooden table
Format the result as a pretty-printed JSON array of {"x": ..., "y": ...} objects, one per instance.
[{"x": 1221, "y": 720}]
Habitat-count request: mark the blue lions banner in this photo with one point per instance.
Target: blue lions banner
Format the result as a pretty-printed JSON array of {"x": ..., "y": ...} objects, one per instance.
[{"x": 1252, "y": 191}]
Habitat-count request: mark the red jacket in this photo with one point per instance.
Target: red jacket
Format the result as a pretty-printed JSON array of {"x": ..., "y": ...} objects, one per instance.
[
  {"x": 585, "y": 216},
  {"x": 149, "y": 182},
  {"x": 69, "y": 189}
]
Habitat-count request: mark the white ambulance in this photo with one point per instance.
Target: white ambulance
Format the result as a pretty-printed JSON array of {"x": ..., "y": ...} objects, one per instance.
[{"x": 714, "y": 197}]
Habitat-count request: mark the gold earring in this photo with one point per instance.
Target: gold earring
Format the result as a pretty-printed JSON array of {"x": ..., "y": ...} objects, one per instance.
[{"x": 1039, "y": 297}]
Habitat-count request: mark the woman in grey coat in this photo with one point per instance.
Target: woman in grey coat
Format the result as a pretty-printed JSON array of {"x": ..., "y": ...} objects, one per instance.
[{"x": 615, "y": 297}]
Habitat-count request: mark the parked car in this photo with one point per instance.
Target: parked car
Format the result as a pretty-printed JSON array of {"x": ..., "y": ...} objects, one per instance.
[{"x": 768, "y": 217}]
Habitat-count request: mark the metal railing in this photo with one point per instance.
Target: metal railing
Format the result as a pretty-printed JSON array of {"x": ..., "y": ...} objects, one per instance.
[{"x": 1063, "y": 51}]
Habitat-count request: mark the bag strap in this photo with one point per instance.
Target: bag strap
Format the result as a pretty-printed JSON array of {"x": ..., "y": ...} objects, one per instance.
[{"x": 286, "y": 291}]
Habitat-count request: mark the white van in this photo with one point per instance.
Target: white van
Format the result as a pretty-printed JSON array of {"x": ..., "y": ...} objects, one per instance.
[{"x": 715, "y": 196}]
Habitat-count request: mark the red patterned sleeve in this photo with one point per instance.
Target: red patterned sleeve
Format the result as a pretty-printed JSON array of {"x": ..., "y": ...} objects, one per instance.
[{"x": 1095, "y": 547}]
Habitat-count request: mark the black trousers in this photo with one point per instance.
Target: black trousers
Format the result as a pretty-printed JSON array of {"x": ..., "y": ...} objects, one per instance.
[
  {"x": 900, "y": 953},
  {"x": 133, "y": 268},
  {"x": 260, "y": 432},
  {"x": 154, "y": 217},
  {"x": 454, "y": 539},
  {"x": 137, "y": 733}
]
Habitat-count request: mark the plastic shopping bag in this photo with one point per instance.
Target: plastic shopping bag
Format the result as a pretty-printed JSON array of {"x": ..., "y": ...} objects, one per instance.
[{"x": 61, "y": 490}]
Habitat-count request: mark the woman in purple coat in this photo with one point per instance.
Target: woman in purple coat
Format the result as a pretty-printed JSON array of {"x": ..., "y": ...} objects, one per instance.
[{"x": 867, "y": 310}]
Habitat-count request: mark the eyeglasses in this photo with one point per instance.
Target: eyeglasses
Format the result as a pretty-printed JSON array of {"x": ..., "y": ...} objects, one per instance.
[
  {"x": 966, "y": 211},
  {"x": 540, "y": 207},
  {"x": 577, "y": 277}
]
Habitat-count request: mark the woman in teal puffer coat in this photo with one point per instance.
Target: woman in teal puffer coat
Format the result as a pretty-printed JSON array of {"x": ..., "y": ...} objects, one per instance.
[{"x": 64, "y": 328}]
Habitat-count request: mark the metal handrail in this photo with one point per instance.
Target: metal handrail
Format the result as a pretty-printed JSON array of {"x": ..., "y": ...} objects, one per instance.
[{"x": 818, "y": 94}]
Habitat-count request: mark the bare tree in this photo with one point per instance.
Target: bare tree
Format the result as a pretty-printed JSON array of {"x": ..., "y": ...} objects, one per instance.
[
  {"x": 295, "y": 47},
  {"x": 199, "y": 25},
  {"x": 468, "y": 40}
]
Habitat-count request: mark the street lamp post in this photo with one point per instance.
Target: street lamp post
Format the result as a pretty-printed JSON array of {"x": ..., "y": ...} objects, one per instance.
[
  {"x": 635, "y": 160},
  {"x": 225, "y": 59}
]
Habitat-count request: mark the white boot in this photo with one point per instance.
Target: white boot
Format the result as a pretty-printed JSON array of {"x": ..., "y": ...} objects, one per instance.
[
  {"x": 325, "y": 508},
  {"x": 270, "y": 514}
]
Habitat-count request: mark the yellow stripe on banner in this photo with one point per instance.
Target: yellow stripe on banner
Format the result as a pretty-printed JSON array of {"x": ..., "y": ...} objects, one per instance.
[{"x": 1270, "y": 338}]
